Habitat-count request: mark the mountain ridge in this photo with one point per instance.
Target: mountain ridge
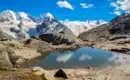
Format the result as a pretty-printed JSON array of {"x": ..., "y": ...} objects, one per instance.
[{"x": 10, "y": 19}]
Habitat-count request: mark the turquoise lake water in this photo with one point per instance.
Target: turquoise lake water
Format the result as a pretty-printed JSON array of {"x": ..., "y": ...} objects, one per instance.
[{"x": 81, "y": 58}]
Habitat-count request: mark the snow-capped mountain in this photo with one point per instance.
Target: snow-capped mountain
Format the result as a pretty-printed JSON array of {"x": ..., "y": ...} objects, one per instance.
[
  {"x": 12, "y": 17},
  {"x": 45, "y": 24},
  {"x": 26, "y": 18},
  {"x": 8, "y": 17},
  {"x": 47, "y": 17},
  {"x": 78, "y": 27},
  {"x": 16, "y": 24},
  {"x": 19, "y": 24},
  {"x": 49, "y": 24}
]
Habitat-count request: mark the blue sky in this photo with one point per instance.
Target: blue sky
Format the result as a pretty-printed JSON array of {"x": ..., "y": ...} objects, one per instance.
[{"x": 81, "y": 10}]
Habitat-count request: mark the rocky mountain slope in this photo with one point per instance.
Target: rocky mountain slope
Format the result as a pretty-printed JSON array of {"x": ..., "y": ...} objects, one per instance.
[
  {"x": 113, "y": 36},
  {"x": 55, "y": 32},
  {"x": 4, "y": 36},
  {"x": 118, "y": 28}
]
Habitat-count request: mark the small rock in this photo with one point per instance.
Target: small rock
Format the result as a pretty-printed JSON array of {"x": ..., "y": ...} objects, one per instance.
[
  {"x": 20, "y": 60},
  {"x": 61, "y": 73},
  {"x": 4, "y": 39},
  {"x": 14, "y": 69}
]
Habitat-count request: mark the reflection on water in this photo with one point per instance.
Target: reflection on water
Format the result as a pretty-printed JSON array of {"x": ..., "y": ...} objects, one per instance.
[{"x": 82, "y": 58}]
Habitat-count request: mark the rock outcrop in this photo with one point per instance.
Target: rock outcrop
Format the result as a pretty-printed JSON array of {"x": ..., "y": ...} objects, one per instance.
[
  {"x": 57, "y": 39},
  {"x": 13, "y": 53},
  {"x": 4, "y": 58},
  {"x": 41, "y": 47}
]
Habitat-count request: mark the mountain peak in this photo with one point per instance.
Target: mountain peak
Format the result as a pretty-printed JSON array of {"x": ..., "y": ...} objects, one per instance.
[
  {"x": 8, "y": 15},
  {"x": 8, "y": 11},
  {"x": 102, "y": 21},
  {"x": 48, "y": 15},
  {"x": 26, "y": 17}
]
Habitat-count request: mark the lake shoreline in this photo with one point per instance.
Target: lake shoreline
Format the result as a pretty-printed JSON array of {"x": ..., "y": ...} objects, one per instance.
[
  {"x": 115, "y": 73},
  {"x": 31, "y": 54},
  {"x": 73, "y": 47}
]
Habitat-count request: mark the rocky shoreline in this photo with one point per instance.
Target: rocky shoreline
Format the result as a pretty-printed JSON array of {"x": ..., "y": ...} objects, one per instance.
[
  {"x": 18, "y": 52},
  {"x": 37, "y": 73}
]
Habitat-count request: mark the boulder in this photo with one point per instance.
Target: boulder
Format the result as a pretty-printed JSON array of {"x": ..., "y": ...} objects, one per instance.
[
  {"x": 36, "y": 44},
  {"x": 8, "y": 58},
  {"x": 4, "y": 58},
  {"x": 57, "y": 39},
  {"x": 61, "y": 73},
  {"x": 41, "y": 47},
  {"x": 50, "y": 38},
  {"x": 45, "y": 75}
]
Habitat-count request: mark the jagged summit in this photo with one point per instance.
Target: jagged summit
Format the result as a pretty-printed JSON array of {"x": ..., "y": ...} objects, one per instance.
[
  {"x": 47, "y": 17},
  {"x": 24, "y": 16},
  {"x": 8, "y": 15}
]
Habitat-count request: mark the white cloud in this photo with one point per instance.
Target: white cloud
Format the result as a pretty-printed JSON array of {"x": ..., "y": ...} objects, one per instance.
[
  {"x": 65, "y": 4},
  {"x": 64, "y": 58},
  {"x": 117, "y": 12},
  {"x": 84, "y": 5},
  {"x": 84, "y": 57},
  {"x": 115, "y": 5},
  {"x": 121, "y": 5},
  {"x": 118, "y": 59}
]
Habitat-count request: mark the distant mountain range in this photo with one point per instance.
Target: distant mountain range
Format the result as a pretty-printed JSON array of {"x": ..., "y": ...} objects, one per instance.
[{"x": 21, "y": 25}]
